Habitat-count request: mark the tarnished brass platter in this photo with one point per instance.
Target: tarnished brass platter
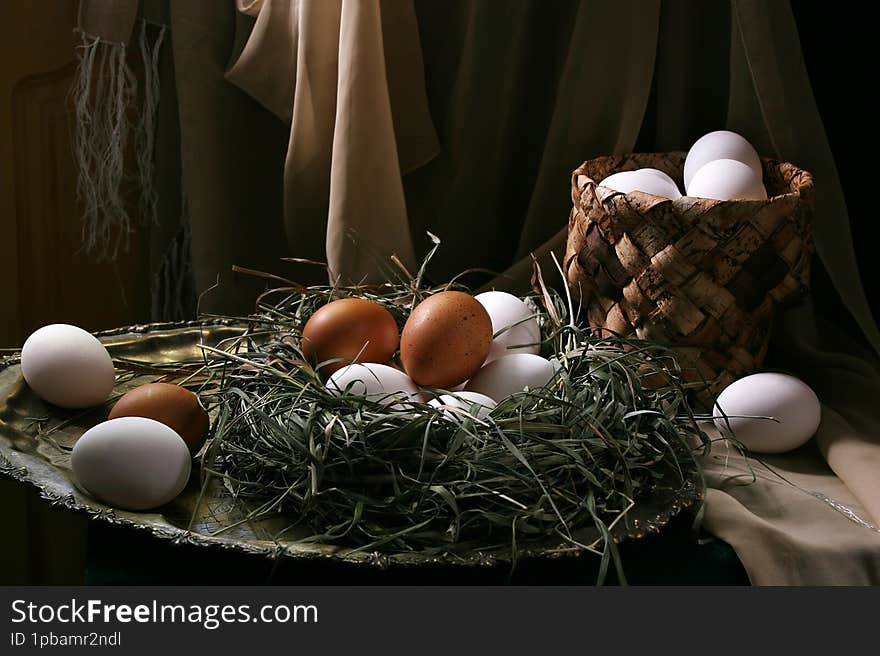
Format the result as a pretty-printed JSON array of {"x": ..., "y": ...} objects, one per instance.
[{"x": 35, "y": 439}]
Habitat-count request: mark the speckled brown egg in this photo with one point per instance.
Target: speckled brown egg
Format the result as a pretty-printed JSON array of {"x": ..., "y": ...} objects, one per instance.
[
  {"x": 349, "y": 328},
  {"x": 172, "y": 405},
  {"x": 445, "y": 340}
]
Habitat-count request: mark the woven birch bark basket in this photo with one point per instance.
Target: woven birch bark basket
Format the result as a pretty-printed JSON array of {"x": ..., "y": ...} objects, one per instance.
[{"x": 703, "y": 276}]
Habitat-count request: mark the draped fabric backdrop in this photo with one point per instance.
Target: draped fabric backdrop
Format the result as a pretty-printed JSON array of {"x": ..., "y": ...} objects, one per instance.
[{"x": 343, "y": 130}]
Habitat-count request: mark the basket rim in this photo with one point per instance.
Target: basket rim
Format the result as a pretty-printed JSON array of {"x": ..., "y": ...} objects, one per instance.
[{"x": 580, "y": 180}]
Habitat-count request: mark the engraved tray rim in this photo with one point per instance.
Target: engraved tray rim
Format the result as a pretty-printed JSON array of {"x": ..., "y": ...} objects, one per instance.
[{"x": 647, "y": 516}]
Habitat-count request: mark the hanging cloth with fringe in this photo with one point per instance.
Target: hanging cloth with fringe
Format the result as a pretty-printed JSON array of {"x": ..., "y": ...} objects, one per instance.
[
  {"x": 116, "y": 134},
  {"x": 105, "y": 91}
]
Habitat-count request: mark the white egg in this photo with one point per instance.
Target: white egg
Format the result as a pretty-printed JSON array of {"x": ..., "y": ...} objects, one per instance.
[
  {"x": 643, "y": 180},
  {"x": 673, "y": 190},
  {"x": 67, "y": 366},
  {"x": 509, "y": 312},
  {"x": 721, "y": 144},
  {"x": 377, "y": 382},
  {"x": 726, "y": 179},
  {"x": 132, "y": 463},
  {"x": 785, "y": 398},
  {"x": 511, "y": 374},
  {"x": 658, "y": 173},
  {"x": 465, "y": 401}
]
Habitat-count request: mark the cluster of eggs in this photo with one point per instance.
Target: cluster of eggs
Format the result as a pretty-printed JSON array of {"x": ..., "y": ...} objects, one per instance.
[
  {"x": 140, "y": 457},
  {"x": 721, "y": 165},
  {"x": 464, "y": 354},
  {"x": 473, "y": 351}
]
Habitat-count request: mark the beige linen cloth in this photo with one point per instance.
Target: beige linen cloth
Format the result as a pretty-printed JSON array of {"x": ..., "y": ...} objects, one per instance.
[{"x": 466, "y": 119}]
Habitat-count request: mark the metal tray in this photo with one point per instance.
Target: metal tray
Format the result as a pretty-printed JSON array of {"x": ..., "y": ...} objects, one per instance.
[{"x": 35, "y": 439}]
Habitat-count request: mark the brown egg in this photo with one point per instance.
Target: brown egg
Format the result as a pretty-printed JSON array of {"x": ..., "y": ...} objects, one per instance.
[
  {"x": 349, "y": 328},
  {"x": 446, "y": 339},
  {"x": 172, "y": 405}
]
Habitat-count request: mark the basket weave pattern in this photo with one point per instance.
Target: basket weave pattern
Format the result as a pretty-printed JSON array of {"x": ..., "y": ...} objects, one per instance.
[{"x": 699, "y": 274}]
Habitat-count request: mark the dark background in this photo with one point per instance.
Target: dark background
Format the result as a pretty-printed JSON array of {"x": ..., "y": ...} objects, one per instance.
[{"x": 838, "y": 45}]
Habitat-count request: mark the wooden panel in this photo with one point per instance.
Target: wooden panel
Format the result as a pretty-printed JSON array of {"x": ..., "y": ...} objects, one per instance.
[
  {"x": 40, "y": 39},
  {"x": 44, "y": 275},
  {"x": 58, "y": 281}
]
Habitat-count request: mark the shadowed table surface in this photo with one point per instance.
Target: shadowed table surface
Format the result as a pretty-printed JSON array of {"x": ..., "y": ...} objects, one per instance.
[{"x": 675, "y": 556}]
